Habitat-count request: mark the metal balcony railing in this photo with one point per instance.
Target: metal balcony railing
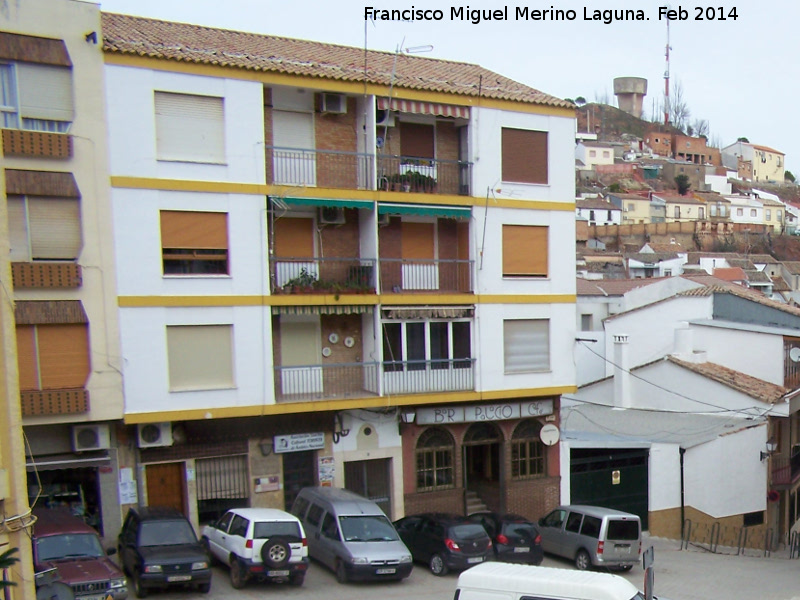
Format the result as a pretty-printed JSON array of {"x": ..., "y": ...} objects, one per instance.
[
  {"x": 785, "y": 470},
  {"x": 402, "y": 275},
  {"x": 423, "y": 175},
  {"x": 363, "y": 171},
  {"x": 322, "y": 275},
  {"x": 421, "y": 376},
  {"x": 326, "y": 382}
]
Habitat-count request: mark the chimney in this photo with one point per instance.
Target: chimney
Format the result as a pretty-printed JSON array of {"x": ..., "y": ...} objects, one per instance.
[
  {"x": 684, "y": 346},
  {"x": 622, "y": 376}
]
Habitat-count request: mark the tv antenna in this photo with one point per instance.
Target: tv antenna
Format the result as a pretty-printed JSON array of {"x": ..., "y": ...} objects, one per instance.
[{"x": 666, "y": 77}]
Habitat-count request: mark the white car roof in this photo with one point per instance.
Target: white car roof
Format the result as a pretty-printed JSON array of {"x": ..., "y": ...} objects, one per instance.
[{"x": 264, "y": 514}]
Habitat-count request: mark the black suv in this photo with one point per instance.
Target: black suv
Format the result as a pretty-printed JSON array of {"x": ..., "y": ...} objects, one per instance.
[
  {"x": 444, "y": 541},
  {"x": 158, "y": 548}
]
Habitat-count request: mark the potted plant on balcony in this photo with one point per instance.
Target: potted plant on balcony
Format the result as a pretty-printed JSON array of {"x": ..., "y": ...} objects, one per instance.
[{"x": 304, "y": 282}]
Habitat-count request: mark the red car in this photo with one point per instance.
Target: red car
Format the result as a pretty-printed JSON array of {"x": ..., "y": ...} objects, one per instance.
[{"x": 64, "y": 542}]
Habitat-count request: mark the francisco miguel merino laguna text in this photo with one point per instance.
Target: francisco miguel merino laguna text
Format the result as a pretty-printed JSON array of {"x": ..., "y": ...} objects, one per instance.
[{"x": 521, "y": 13}]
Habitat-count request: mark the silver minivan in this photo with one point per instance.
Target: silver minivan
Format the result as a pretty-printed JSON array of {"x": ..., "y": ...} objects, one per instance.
[
  {"x": 351, "y": 535},
  {"x": 592, "y": 535}
]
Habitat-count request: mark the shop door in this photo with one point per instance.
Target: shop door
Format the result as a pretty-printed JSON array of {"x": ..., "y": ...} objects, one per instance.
[
  {"x": 298, "y": 472},
  {"x": 371, "y": 479},
  {"x": 166, "y": 485},
  {"x": 613, "y": 478}
]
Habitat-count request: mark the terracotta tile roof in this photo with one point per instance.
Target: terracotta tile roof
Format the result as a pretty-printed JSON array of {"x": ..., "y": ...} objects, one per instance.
[
  {"x": 724, "y": 287},
  {"x": 763, "y": 259},
  {"x": 779, "y": 284},
  {"x": 668, "y": 248},
  {"x": 767, "y": 149},
  {"x": 675, "y": 199},
  {"x": 730, "y": 274},
  {"x": 746, "y": 384},
  {"x": 713, "y": 197},
  {"x": 629, "y": 196},
  {"x": 611, "y": 287},
  {"x": 651, "y": 257},
  {"x": 597, "y": 203},
  {"x": 742, "y": 263},
  {"x": 793, "y": 266},
  {"x": 756, "y": 276},
  {"x": 183, "y": 42},
  {"x": 694, "y": 257}
]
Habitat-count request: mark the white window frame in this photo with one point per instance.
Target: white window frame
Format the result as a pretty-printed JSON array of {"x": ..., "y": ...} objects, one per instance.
[
  {"x": 519, "y": 354},
  {"x": 427, "y": 325}
]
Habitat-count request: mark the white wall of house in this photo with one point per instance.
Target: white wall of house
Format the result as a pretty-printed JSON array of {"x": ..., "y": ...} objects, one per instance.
[
  {"x": 485, "y": 144},
  {"x": 718, "y": 183},
  {"x": 722, "y": 492},
  {"x": 132, "y": 125},
  {"x": 603, "y": 155},
  {"x": 660, "y": 290},
  {"x": 752, "y": 210},
  {"x": 144, "y": 350}
]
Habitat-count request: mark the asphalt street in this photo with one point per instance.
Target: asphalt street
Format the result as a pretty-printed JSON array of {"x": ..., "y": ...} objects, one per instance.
[{"x": 692, "y": 574}]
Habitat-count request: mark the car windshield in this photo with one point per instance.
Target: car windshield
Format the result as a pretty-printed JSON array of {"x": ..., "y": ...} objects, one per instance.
[
  {"x": 467, "y": 531},
  {"x": 372, "y": 528},
  {"x": 290, "y": 530},
  {"x": 69, "y": 545},
  {"x": 166, "y": 533}
]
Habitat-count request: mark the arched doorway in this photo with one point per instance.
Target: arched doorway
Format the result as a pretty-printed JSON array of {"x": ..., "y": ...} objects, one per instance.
[{"x": 482, "y": 445}]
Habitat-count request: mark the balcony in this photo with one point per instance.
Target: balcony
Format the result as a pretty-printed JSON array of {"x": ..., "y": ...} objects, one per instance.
[
  {"x": 46, "y": 275},
  {"x": 39, "y": 144},
  {"x": 785, "y": 471},
  {"x": 326, "y": 382},
  {"x": 424, "y": 376},
  {"x": 322, "y": 275},
  {"x": 441, "y": 276},
  {"x": 357, "y": 171},
  {"x": 36, "y": 403}
]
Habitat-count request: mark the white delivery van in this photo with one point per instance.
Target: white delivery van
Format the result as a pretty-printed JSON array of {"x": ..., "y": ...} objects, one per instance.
[{"x": 505, "y": 581}]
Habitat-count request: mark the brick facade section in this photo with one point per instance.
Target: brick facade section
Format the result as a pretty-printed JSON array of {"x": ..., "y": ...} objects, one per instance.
[
  {"x": 337, "y": 132},
  {"x": 660, "y": 143}
]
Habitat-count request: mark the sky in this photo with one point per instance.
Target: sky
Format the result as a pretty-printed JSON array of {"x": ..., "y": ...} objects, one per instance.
[{"x": 738, "y": 74}]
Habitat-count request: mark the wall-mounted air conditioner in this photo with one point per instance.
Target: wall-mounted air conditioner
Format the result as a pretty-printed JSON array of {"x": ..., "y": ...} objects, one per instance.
[
  {"x": 384, "y": 118},
  {"x": 154, "y": 435},
  {"x": 90, "y": 437},
  {"x": 331, "y": 215},
  {"x": 334, "y": 103}
]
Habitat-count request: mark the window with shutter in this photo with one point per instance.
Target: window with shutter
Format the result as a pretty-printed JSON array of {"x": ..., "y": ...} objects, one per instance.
[
  {"x": 53, "y": 356},
  {"x": 190, "y": 128},
  {"x": 194, "y": 243},
  {"x": 44, "y": 228},
  {"x": 525, "y": 251},
  {"x": 200, "y": 357},
  {"x": 526, "y": 345},
  {"x": 524, "y": 156},
  {"x": 36, "y": 97}
]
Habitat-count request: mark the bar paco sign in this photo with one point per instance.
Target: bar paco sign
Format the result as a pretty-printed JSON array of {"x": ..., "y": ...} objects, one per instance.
[{"x": 487, "y": 412}]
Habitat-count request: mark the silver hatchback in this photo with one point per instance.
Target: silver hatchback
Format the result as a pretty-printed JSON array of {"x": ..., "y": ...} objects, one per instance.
[{"x": 592, "y": 536}]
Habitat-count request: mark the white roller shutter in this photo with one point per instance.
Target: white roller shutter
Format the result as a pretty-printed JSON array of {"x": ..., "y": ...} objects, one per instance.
[
  {"x": 526, "y": 345},
  {"x": 18, "y": 230},
  {"x": 190, "y": 128},
  {"x": 294, "y": 130},
  {"x": 45, "y": 92},
  {"x": 55, "y": 228},
  {"x": 200, "y": 357}
]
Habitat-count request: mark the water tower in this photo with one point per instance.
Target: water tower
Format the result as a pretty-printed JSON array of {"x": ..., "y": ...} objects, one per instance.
[{"x": 630, "y": 91}]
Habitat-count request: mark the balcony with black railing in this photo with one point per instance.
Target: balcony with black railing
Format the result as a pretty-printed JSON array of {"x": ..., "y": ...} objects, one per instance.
[
  {"x": 398, "y": 275},
  {"x": 322, "y": 275},
  {"x": 364, "y": 171}
]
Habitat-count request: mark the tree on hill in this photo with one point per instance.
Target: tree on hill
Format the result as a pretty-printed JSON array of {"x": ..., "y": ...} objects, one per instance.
[
  {"x": 788, "y": 176},
  {"x": 580, "y": 100},
  {"x": 743, "y": 139},
  {"x": 682, "y": 181}
]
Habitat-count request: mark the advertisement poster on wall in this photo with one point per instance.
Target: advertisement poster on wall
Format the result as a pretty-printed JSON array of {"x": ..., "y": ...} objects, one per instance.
[{"x": 326, "y": 471}]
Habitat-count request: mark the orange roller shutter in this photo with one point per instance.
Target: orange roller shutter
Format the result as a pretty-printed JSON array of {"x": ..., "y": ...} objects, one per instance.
[
  {"x": 417, "y": 241},
  {"x": 294, "y": 238},
  {"x": 524, "y": 250},
  {"x": 416, "y": 140},
  {"x": 63, "y": 355},
  {"x": 194, "y": 230},
  {"x": 524, "y": 156},
  {"x": 26, "y": 357}
]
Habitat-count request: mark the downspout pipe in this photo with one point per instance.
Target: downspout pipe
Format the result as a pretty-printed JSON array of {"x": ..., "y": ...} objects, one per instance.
[{"x": 683, "y": 491}]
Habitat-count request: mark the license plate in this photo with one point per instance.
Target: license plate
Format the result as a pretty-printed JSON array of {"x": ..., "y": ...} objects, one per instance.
[
  {"x": 278, "y": 573},
  {"x": 476, "y": 559},
  {"x": 96, "y": 597},
  {"x": 385, "y": 571},
  {"x": 521, "y": 549},
  {"x": 623, "y": 549},
  {"x": 172, "y": 578}
]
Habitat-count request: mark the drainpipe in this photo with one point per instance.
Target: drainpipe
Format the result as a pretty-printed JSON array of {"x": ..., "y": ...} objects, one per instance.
[{"x": 683, "y": 492}]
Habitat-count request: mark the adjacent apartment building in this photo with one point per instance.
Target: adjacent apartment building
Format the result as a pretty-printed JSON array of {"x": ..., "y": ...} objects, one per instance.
[{"x": 312, "y": 287}]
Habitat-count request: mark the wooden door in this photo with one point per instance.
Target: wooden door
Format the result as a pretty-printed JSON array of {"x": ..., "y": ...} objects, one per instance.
[{"x": 166, "y": 485}]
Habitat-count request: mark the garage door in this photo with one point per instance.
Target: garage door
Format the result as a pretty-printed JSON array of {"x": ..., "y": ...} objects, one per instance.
[{"x": 614, "y": 478}]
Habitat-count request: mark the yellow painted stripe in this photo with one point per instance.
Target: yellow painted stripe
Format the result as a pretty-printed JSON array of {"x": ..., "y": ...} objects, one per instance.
[
  {"x": 333, "y": 405},
  {"x": 221, "y": 187},
  {"x": 343, "y": 300},
  {"x": 330, "y": 85}
]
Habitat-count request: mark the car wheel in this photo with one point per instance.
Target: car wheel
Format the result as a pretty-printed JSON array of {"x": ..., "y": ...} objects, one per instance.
[
  {"x": 582, "y": 560},
  {"x": 341, "y": 572},
  {"x": 275, "y": 552},
  {"x": 138, "y": 588},
  {"x": 438, "y": 566},
  {"x": 297, "y": 579},
  {"x": 238, "y": 576},
  {"x": 204, "y": 588}
]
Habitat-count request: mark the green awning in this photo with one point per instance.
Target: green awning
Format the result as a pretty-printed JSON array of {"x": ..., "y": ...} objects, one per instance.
[
  {"x": 323, "y": 202},
  {"x": 424, "y": 210}
]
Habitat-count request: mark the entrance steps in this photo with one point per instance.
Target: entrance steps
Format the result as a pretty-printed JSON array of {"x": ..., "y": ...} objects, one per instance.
[{"x": 474, "y": 502}]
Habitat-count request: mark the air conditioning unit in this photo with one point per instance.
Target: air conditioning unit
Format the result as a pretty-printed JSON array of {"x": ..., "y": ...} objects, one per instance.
[
  {"x": 154, "y": 435},
  {"x": 384, "y": 118},
  {"x": 90, "y": 437},
  {"x": 331, "y": 215},
  {"x": 334, "y": 103}
]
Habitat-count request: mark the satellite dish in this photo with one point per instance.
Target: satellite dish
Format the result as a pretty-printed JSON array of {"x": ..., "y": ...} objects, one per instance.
[
  {"x": 794, "y": 354},
  {"x": 549, "y": 434}
]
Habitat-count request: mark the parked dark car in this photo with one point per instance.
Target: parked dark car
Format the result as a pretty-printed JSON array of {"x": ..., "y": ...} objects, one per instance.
[
  {"x": 158, "y": 548},
  {"x": 514, "y": 538},
  {"x": 66, "y": 543},
  {"x": 444, "y": 541}
]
